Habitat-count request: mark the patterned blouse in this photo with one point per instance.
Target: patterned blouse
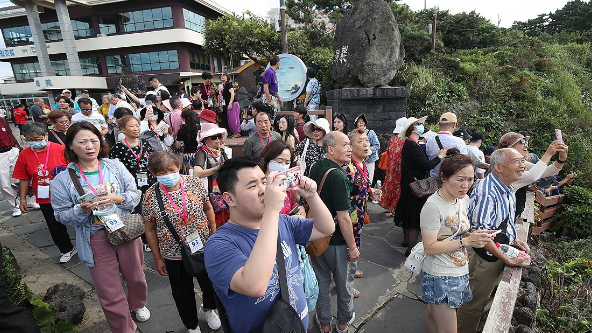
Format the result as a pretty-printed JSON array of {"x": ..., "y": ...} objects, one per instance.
[
  {"x": 358, "y": 180},
  {"x": 130, "y": 159},
  {"x": 313, "y": 153},
  {"x": 195, "y": 196},
  {"x": 391, "y": 191}
]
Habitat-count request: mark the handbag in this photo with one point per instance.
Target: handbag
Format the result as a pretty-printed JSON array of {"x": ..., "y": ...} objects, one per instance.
[
  {"x": 309, "y": 279},
  {"x": 282, "y": 318},
  {"x": 194, "y": 263},
  {"x": 501, "y": 238},
  {"x": 220, "y": 208},
  {"x": 383, "y": 164},
  {"x": 414, "y": 261},
  {"x": 318, "y": 246},
  {"x": 133, "y": 224},
  {"x": 421, "y": 188}
]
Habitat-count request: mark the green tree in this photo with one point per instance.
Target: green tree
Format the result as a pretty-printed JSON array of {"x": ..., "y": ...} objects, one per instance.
[{"x": 467, "y": 31}]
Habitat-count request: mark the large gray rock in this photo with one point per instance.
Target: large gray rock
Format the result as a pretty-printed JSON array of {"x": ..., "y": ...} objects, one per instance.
[
  {"x": 528, "y": 296},
  {"x": 524, "y": 316},
  {"x": 368, "y": 49},
  {"x": 67, "y": 302}
]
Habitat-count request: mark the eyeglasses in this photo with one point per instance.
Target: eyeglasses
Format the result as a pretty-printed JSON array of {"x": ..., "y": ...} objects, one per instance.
[{"x": 216, "y": 137}]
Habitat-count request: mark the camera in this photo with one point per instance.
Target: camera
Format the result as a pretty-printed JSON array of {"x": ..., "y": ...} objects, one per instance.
[{"x": 260, "y": 106}]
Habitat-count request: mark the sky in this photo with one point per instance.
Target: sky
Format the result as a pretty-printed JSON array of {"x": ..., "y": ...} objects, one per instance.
[{"x": 502, "y": 12}]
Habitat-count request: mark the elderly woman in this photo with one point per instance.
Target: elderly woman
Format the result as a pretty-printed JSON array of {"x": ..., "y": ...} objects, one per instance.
[
  {"x": 110, "y": 181},
  {"x": 37, "y": 163},
  {"x": 61, "y": 122},
  {"x": 190, "y": 213},
  {"x": 209, "y": 157},
  {"x": 415, "y": 165},
  {"x": 361, "y": 123},
  {"x": 311, "y": 149},
  {"x": 391, "y": 189}
]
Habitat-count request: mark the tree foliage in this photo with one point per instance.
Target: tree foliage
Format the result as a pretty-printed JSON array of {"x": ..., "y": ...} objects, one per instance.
[{"x": 575, "y": 16}]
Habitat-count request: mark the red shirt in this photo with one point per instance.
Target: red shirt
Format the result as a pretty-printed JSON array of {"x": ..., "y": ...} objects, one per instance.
[
  {"x": 27, "y": 167},
  {"x": 20, "y": 116}
]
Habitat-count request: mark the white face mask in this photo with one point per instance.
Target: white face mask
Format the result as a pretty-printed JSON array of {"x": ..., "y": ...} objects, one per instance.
[
  {"x": 154, "y": 117},
  {"x": 275, "y": 166}
]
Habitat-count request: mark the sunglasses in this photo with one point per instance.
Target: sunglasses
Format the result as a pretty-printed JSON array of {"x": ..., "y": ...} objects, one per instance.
[
  {"x": 317, "y": 129},
  {"x": 524, "y": 142},
  {"x": 216, "y": 137},
  {"x": 86, "y": 110}
]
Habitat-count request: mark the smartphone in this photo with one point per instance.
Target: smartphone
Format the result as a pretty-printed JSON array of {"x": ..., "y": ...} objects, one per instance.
[
  {"x": 558, "y": 135},
  {"x": 292, "y": 177},
  {"x": 148, "y": 102},
  {"x": 492, "y": 235},
  {"x": 88, "y": 197},
  {"x": 293, "y": 211}
]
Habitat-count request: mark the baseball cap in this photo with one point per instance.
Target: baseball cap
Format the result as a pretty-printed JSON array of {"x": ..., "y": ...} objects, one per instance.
[
  {"x": 477, "y": 135},
  {"x": 448, "y": 117},
  {"x": 84, "y": 91},
  {"x": 65, "y": 91}
]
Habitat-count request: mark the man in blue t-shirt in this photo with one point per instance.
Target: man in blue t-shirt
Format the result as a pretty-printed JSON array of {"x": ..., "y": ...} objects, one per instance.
[
  {"x": 241, "y": 256},
  {"x": 270, "y": 83}
]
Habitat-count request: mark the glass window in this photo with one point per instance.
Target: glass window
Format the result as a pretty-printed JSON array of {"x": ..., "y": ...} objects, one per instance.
[
  {"x": 60, "y": 67},
  {"x": 90, "y": 66},
  {"x": 193, "y": 21},
  {"x": 139, "y": 20},
  {"x": 17, "y": 36},
  {"x": 51, "y": 31},
  {"x": 114, "y": 63},
  {"x": 198, "y": 60},
  {"x": 83, "y": 27},
  {"x": 144, "y": 62},
  {"x": 26, "y": 71}
]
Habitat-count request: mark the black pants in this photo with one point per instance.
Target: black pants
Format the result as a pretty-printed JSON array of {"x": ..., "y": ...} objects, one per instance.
[
  {"x": 184, "y": 295},
  {"x": 224, "y": 119},
  {"x": 13, "y": 319},
  {"x": 58, "y": 231}
]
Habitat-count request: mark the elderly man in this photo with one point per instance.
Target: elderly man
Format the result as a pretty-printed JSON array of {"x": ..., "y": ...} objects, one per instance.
[
  {"x": 342, "y": 251},
  {"x": 264, "y": 135},
  {"x": 175, "y": 120},
  {"x": 85, "y": 94},
  {"x": 37, "y": 110},
  {"x": 492, "y": 206},
  {"x": 117, "y": 102},
  {"x": 248, "y": 125},
  {"x": 68, "y": 93},
  {"x": 87, "y": 114}
]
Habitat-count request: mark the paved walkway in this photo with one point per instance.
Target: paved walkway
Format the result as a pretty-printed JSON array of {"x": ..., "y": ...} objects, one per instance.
[{"x": 389, "y": 300}]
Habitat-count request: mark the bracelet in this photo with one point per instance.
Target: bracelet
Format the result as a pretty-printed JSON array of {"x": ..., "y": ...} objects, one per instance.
[
  {"x": 560, "y": 161},
  {"x": 460, "y": 241}
]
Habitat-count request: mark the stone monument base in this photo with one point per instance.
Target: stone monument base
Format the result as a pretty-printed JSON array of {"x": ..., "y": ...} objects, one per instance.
[{"x": 382, "y": 105}]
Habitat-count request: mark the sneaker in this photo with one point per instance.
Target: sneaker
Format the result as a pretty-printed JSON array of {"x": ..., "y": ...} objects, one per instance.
[
  {"x": 211, "y": 317},
  {"x": 16, "y": 212},
  {"x": 358, "y": 274},
  {"x": 348, "y": 325},
  {"x": 67, "y": 256},
  {"x": 34, "y": 205},
  {"x": 142, "y": 314},
  {"x": 147, "y": 248},
  {"x": 195, "y": 330}
]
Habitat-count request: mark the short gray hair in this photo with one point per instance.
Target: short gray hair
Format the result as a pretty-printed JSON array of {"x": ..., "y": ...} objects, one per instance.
[
  {"x": 34, "y": 128},
  {"x": 499, "y": 156},
  {"x": 175, "y": 102},
  {"x": 160, "y": 160},
  {"x": 112, "y": 96},
  {"x": 37, "y": 99},
  {"x": 329, "y": 141}
]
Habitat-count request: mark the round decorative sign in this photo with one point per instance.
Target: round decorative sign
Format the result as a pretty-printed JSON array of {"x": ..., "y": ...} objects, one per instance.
[{"x": 291, "y": 76}]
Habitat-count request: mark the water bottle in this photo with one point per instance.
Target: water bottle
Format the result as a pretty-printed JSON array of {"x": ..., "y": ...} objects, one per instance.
[
  {"x": 510, "y": 251},
  {"x": 377, "y": 192}
]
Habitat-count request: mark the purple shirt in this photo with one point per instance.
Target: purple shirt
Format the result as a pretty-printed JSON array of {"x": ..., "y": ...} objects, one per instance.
[{"x": 270, "y": 78}]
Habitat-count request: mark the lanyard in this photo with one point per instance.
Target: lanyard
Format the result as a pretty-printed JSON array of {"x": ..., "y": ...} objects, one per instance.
[
  {"x": 364, "y": 173},
  {"x": 207, "y": 150},
  {"x": 138, "y": 156},
  {"x": 183, "y": 216},
  {"x": 44, "y": 168},
  {"x": 86, "y": 180},
  {"x": 263, "y": 142}
]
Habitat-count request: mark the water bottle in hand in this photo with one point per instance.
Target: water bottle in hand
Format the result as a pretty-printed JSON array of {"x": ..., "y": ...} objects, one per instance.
[{"x": 377, "y": 192}]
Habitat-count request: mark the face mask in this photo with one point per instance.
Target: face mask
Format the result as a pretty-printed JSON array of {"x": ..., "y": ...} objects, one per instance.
[
  {"x": 169, "y": 180},
  {"x": 275, "y": 166},
  {"x": 419, "y": 129},
  {"x": 37, "y": 144},
  {"x": 155, "y": 117}
]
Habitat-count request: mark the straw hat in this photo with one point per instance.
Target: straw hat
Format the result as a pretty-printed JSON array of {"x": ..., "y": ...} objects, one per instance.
[
  {"x": 208, "y": 130},
  {"x": 321, "y": 123},
  {"x": 399, "y": 125},
  {"x": 410, "y": 121}
]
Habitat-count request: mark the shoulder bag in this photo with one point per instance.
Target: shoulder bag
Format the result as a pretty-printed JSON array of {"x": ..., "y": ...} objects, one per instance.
[
  {"x": 282, "y": 318},
  {"x": 414, "y": 261},
  {"x": 421, "y": 188},
  {"x": 194, "y": 263},
  {"x": 319, "y": 246},
  {"x": 501, "y": 238},
  {"x": 133, "y": 224},
  {"x": 309, "y": 279}
]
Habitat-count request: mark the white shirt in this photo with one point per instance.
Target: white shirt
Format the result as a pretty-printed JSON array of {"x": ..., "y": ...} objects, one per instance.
[
  {"x": 480, "y": 155},
  {"x": 448, "y": 141},
  {"x": 159, "y": 88},
  {"x": 95, "y": 118}
]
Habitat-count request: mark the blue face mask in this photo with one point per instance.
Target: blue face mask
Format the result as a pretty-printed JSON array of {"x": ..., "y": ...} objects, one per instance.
[
  {"x": 169, "y": 180},
  {"x": 419, "y": 129},
  {"x": 37, "y": 144},
  {"x": 275, "y": 166}
]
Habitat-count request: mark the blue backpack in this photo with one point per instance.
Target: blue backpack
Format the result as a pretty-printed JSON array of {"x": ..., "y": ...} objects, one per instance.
[{"x": 309, "y": 279}]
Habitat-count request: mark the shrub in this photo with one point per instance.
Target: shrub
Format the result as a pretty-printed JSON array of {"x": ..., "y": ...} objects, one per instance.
[{"x": 575, "y": 220}]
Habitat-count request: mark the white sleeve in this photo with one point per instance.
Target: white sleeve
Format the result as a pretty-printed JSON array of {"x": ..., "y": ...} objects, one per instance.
[{"x": 539, "y": 170}]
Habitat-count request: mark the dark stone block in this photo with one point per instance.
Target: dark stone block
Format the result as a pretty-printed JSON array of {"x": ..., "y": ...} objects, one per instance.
[
  {"x": 511, "y": 329},
  {"x": 524, "y": 316},
  {"x": 66, "y": 300},
  {"x": 532, "y": 274},
  {"x": 528, "y": 296},
  {"x": 523, "y": 329}
]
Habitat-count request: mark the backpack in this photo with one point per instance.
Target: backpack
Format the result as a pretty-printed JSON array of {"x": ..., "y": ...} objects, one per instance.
[{"x": 152, "y": 139}]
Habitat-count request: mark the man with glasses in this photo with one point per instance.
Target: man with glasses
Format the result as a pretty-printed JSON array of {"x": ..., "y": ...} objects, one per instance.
[
  {"x": 264, "y": 135},
  {"x": 87, "y": 114},
  {"x": 447, "y": 125}
]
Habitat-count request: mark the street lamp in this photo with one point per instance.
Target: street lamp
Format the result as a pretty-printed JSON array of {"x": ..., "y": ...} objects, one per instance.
[{"x": 283, "y": 26}]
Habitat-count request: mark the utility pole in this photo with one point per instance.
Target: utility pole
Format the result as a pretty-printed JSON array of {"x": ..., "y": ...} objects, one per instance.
[
  {"x": 425, "y": 5},
  {"x": 283, "y": 26},
  {"x": 434, "y": 32}
]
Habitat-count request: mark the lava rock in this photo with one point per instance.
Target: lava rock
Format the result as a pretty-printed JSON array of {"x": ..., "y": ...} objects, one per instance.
[
  {"x": 511, "y": 329},
  {"x": 523, "y": 329},
  {"x": 524, "y": 315},
  {"x": 532, "y": 274},
  {"x": 538, "y": 259},
  {"x": 368, "y": 48},
  {"x": 67, "y": 302},
  {"x": 529, "y": 296}
]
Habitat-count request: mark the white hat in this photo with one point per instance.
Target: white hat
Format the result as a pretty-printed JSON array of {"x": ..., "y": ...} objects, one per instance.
[
  {"x": 410, "y": 121},
  {"x": 167, "y": 105},
  {"x": 399, "y": 125},
  {"x": 65, "y": 91},
  {"x": 208, "y": 129},
  {"x": 186, "y": 102},
  {"x": 321, "y": 122}
]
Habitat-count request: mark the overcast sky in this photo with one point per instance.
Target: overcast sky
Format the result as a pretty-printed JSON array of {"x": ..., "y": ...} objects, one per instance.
[{"x": 508, "y": 11}]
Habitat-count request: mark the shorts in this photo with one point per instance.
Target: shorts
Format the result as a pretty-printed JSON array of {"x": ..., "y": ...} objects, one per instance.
[{"x": 451, "y": 290}]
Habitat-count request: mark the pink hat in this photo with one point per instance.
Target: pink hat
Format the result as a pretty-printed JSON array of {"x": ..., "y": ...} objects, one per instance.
[{"x": 208, "y": 129}]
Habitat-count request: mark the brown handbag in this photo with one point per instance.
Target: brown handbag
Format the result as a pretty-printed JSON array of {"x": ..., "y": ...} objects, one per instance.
[
  {"x": 319, "y": 246},
  {"x": 422, "y": 188}
]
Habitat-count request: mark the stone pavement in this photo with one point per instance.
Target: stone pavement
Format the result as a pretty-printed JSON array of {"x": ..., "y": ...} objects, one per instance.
[{"x": 389, "y": 300}]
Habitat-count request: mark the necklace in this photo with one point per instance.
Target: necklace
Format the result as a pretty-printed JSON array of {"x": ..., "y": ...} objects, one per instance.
[{"x": 453, "y": 202}]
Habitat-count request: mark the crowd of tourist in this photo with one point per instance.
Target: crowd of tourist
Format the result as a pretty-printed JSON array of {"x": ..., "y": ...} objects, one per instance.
[{"x": 164, "y": 158}]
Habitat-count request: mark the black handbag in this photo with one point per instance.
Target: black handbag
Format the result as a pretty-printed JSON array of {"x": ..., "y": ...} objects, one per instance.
[
  {"x": 282, "y": 318},
  {"x": 194, "y": 263},
  {"x": 501, "y": 238}
]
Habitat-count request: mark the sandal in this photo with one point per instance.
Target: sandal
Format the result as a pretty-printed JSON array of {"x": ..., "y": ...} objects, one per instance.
[
  {"x": 356, "y": 293},
  {"x": 358, "y": 274}
]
